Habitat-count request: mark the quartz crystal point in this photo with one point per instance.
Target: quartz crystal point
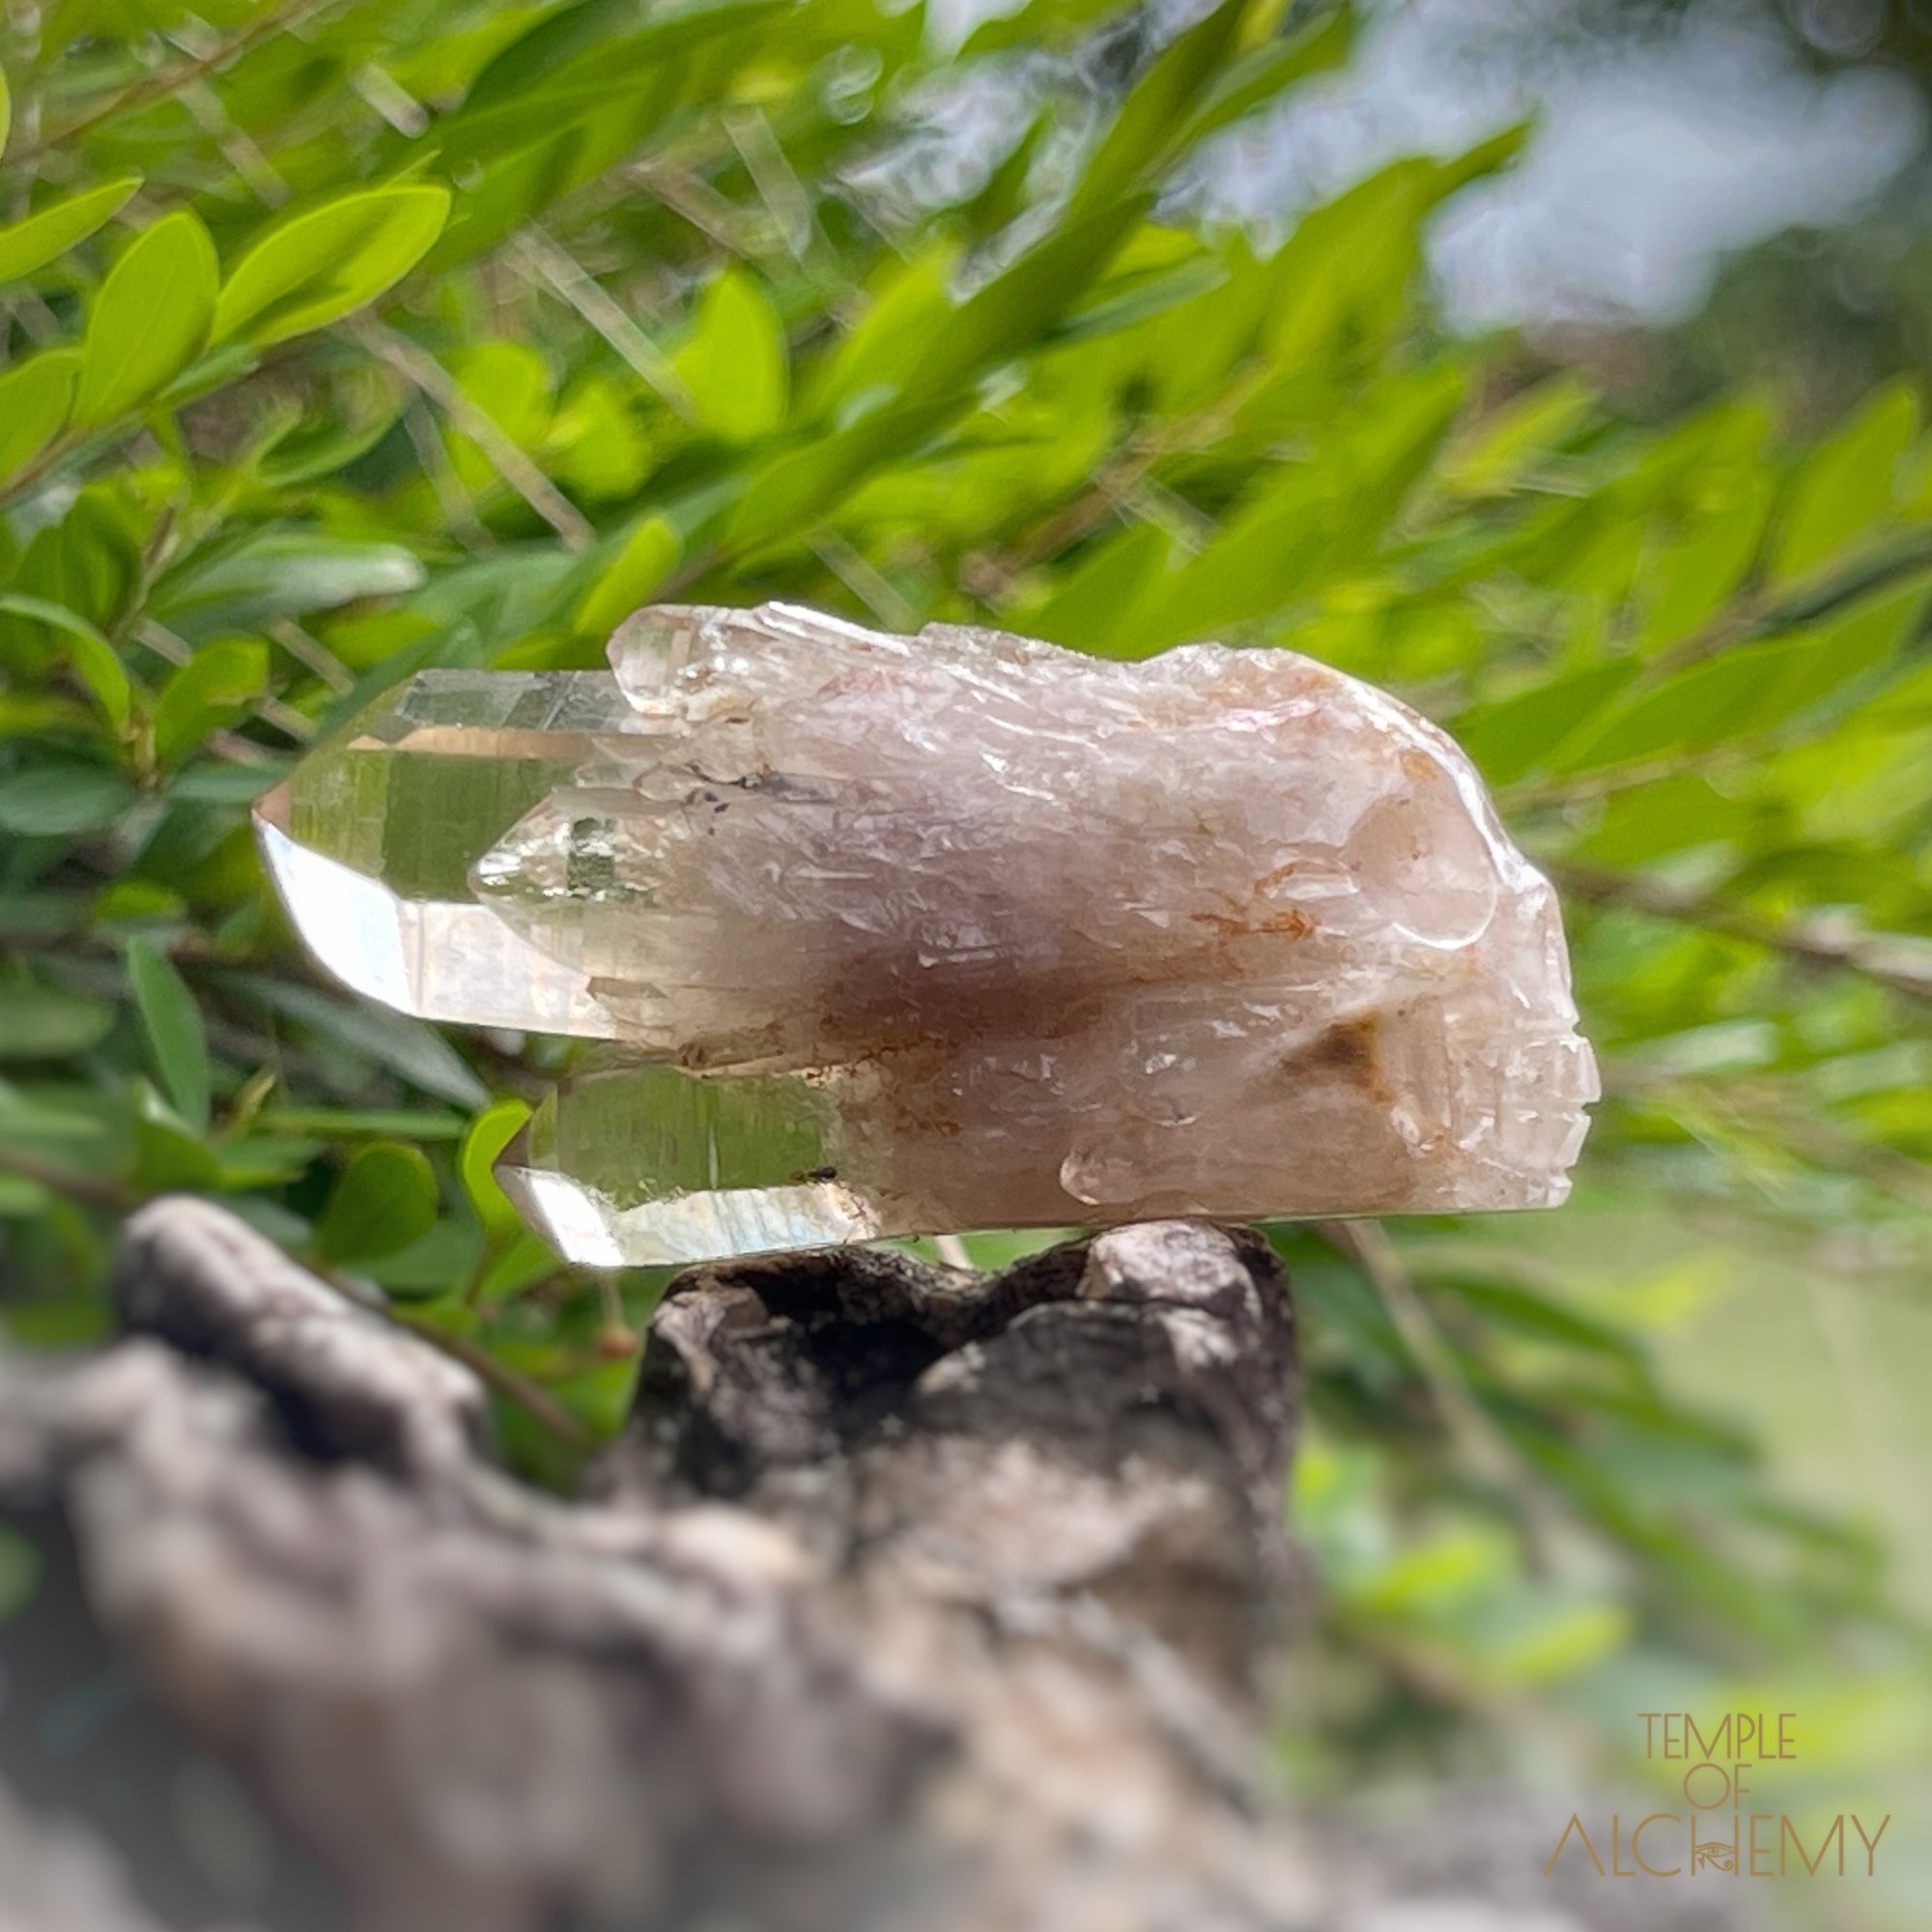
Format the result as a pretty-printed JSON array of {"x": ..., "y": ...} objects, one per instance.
[{"x": 912, "y": 935}]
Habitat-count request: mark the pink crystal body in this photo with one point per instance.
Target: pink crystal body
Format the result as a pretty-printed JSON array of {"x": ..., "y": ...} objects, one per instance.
[{"x": 998, "y": 933}]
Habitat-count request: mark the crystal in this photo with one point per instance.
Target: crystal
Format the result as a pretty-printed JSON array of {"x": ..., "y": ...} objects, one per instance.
[{"x": 912, "y": 935}]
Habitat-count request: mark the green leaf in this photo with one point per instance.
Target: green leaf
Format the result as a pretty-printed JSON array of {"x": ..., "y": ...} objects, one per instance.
[
  {"x": 176, "y": 1039},
  {"x": 150, "y": 320},
  {"x": 1518, "y": 1306},
  {"x": 1154, "y": 122},
  {"x": 798, "y": 488},
  {"x": 1312, "y": 520},
  {"x": 92, "y": 656},
  {"x": 312, "y": 269},
  {"x": 252, "y": 1161},
  {"x": 87, "y": 565},
  {"x": 385, "y": 1199},
  {"x": 523, "y": 1261},
  {"x": 210, "y": 691},
  {"x": 1038, "y": 21},
  {"x": 1749, "y": 689},
  {"x": 168, "y": 1153},
  {"x": 281, "y": 572},
  {"x": 30, "y": 245},
  {"x": 642, "y": 561},
  {"x": 1642, "y": 823},
  {"x": 551, "y": 41},
  {"x": 793, "y": 493},
  {"x": 409, "y": 1048},
  {"x": 6, "y": 110},
  {"x": 1019, "y": 307},
  {"x": 906, "y": 309},
  {"x": 63, "y": 801},
  {"x": 35, "y": 399},
  {"x": 1693, "y": 711},
  {"x": 1689, "y": 583},
  {"x": 1516, "y": 734},
  {"x": 47, "y": 1023},
  {"x": 1258, "y": 79},
  {"x": 1096, "y": 599},
  {"x": 1820, "y": 661},
  {"x": 1848, "y": 485},
  {"x": 489, "y": 1133},
  {"x": 1344, "y": 278},
  {"x": 734, "y": 365},
  {"x": 431, "y": 1266},
  {"x": 19, "y": 1561},
  {"x": 1489, "y": 462},
  {"x": 574, "y": 64}
]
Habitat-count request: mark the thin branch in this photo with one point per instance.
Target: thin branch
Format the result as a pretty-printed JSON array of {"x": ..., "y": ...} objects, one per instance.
[
  {"x": 778, "y": 188},
  {"x": 379, "y": 89},
  {"x": 505, "y": 1380},
  {"x": 867, "y": 584},
  {"x": 97, "y": 1190},
  {"x": 1757, "y": 620},
  {"x": 237, "y": 148},
  {"x": 1490, "y": 1452},
  {"x": 454, "y": 503},
  {"x": 990, "y": 575},
  {"x": 540, "y": 257},
  {"x": 312, "y": 654},
  {"x": 1897, "y": 961},
  {"x": 420, "y": 368},
  {"x": 1756, "y": 1115},
  {"x": 1745, "y": 625},
  {"x": 172, "y": 80},
  {"x": 1543, "y": 794},
  {"x": 1122, "y": 488},
  {"x": 695, "y": 200}
]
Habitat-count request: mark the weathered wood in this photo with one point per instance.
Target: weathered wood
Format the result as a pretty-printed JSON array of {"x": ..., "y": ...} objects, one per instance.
[{"x": 914, "y": 1601}]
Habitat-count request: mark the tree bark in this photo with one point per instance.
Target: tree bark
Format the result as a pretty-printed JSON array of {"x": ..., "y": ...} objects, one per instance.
[{"x": 912, "y": 1601}]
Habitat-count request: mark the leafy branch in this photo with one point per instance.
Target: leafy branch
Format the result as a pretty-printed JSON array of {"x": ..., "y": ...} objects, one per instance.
[
  {"x": 169, "y": 81},
  {"x": 1900, "y": 963}
]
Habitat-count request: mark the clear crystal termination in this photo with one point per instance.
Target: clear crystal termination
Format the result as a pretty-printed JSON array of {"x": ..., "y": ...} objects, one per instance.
[{"x": 915, "y": 934}]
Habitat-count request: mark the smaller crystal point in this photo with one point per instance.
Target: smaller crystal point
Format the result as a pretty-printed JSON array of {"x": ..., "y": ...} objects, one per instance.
[
  {"x": 372, "y": 839},
  {"x": 948, "y": 931},
  {"x": 647, "y": 1164}
]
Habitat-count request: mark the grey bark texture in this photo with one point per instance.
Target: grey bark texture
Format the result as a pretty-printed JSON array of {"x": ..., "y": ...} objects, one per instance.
[{"x": 913, "y": 1600}]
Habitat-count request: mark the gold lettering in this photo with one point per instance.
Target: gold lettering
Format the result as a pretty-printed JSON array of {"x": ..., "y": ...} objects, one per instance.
[
  {"x": 1785, "y": 1747},
  {"x": 1703, "y": 1804},
  {"x": 1617, "y": 1848},
  {"x": 1650, "y": 1719},
  {"x": 1871, "y": 1844},
  {"x": 1758, "y": 1818},
  {"x": 1636, "y": 1850},
  {"x": 1576, "y": 1824},
  {"x": 1720, "y": 1744},
  {"x": 1787, "y": 1830}
]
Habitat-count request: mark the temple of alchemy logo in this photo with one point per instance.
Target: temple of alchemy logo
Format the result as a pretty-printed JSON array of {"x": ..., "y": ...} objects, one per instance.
[{"x": 1720, "y": 1822}]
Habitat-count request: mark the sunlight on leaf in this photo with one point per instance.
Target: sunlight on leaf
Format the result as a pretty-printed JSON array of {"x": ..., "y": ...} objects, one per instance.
[{"x": 150, "y": 319}]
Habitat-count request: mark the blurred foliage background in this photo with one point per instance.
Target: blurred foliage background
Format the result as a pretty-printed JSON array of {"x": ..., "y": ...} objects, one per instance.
[{"x": 342, "y": 339}]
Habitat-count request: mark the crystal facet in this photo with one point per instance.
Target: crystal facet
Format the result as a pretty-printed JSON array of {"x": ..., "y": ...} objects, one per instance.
[{"x": 906, "y": 934}]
